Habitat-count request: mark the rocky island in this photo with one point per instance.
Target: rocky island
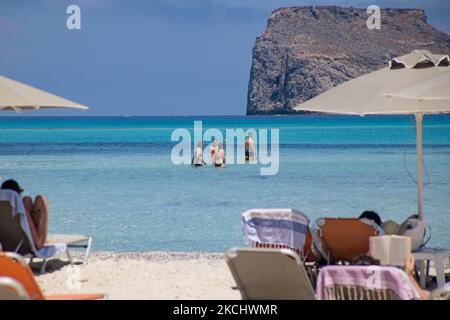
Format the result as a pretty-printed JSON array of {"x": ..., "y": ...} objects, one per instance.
[{"x": 307, "y": 50}]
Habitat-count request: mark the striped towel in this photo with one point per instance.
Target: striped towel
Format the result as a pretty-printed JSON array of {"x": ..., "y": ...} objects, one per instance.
[
  {"x": 381, "y": 280},
  {"x": 275, "y": 228}
]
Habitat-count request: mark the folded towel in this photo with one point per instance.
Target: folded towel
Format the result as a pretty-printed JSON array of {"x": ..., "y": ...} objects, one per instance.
[{"x": 52, "y": 250}]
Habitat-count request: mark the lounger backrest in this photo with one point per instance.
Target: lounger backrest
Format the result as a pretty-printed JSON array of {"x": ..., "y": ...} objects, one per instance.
[
  {"x": 278, "y": 228},
  {"x": 344, "y": 239},
  {"x": 13, "y": 266},
  {"x": 269, "y": 274},
  {"x": 10, "y": 289},
  {"x": 11, "y": 232}
]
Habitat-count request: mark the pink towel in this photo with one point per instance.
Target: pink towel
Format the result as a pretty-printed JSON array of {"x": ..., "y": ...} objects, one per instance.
[{"x": 377, "y": 278}]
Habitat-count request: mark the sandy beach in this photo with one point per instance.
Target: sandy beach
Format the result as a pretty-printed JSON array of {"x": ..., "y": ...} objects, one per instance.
[
  {"x": 145, "y": 275},
  {"x": 149, "y": 275}
]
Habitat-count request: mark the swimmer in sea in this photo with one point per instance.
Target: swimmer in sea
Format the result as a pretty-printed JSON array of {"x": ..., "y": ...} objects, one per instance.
[
  {"x": 212, "y": 150},
  {"x": 250, "y": 152},
  {"x": 220, "y": 156},
  {"x": 197, "y": 159}
]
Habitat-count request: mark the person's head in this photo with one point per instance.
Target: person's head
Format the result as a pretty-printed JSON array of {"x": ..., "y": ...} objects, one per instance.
[
  {"x": 213, "y": 140},
  {"x": 220, "y": 145},
  {"x": 199, "y": 144},
  {"x": 371, "y": 215},
  {"x": 12, "y": 185}
]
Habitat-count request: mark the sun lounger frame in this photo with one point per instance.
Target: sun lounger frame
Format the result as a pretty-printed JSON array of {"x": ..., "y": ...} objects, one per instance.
[
  {"x": 85, "y": 244},
  {"x": 11, "y": 289},
  {"x": 26, "y": 247},
  {"x": 24, "y": 277},
  {"x": 290, "y": 262}
]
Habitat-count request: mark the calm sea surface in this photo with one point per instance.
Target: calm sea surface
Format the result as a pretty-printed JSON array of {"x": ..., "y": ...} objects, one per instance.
[{"x": 113, "y": 177}]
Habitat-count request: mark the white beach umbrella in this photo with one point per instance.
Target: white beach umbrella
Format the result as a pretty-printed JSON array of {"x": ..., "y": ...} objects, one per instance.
[
  {"x": 434, "y": 89},
  {"x": 417, "y": 83},
  {"x": 19, "y": 97}
]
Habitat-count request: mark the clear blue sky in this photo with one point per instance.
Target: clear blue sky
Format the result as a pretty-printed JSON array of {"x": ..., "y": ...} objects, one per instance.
[{"x": 148, "y": 57}]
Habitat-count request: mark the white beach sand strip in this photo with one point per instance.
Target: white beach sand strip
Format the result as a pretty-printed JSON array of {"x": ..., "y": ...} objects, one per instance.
[{"x": 149, "y": 275}]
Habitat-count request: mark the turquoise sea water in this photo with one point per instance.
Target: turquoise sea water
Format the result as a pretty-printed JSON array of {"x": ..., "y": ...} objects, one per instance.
[{"x": 113, "y": 177}]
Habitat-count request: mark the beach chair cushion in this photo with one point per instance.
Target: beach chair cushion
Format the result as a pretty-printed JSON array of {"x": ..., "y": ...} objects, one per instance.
[
  {"x": 269, "y": 274},
  {"x": 342, "y": 239}
]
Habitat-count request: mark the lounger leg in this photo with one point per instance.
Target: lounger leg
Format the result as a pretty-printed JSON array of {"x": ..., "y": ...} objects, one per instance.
[
  {"x": 423, "y": 277},
  {"x": 427, "y": 272},
  {"x": 439, "y": 265},
  {"x": 69, "y": 256},
  {"x": 44, "y": 265},
  {"x": 88, "y": 250}
]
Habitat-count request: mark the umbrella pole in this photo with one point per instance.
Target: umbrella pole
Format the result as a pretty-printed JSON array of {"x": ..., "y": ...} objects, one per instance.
[{"x": 419, "y": 118}]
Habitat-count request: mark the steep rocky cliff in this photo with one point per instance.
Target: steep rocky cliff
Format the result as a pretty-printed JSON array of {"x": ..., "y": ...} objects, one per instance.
[{"x": 306, "y": 50}]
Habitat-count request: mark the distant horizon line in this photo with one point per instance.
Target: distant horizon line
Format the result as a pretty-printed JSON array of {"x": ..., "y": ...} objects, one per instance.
[
  {"x": 209, "y": 116},
  {"x": 29, "y": 115}
]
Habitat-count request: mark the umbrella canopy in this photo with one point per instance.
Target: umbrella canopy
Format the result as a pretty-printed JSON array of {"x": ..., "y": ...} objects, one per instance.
[
  {"x": 417, "y": 83},
  {"x": 367, "y": 94},
  {"x": 436, "y": 88},
  {"x": 19, "y": 97}
]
